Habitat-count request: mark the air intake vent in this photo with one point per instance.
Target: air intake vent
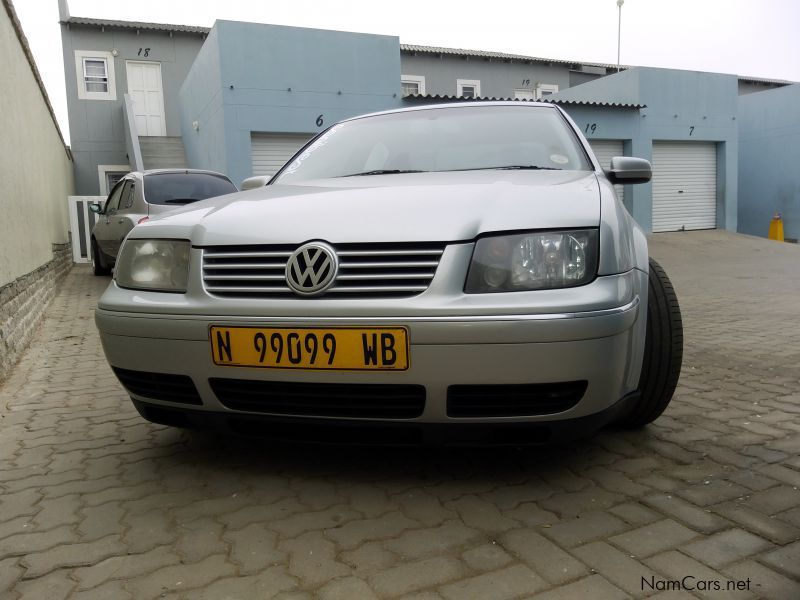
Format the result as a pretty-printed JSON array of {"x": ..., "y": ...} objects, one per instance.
[
  {"x": 159, "y": 386},
  {"x": 365, "y": 270},
  {"x": 513, "y": 400},
  {"x": 321, "y": 400}
]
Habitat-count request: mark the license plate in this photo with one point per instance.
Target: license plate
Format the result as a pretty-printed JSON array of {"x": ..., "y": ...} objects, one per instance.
[{"x": 335, "y": 348}]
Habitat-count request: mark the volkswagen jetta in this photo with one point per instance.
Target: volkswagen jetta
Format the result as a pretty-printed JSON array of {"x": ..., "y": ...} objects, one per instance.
[{"x": 454, "y": 273}]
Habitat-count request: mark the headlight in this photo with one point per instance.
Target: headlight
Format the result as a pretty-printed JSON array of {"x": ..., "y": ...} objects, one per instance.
[
  {"x": 161, "y": 265},
  {"x": 533, "y": 261}
]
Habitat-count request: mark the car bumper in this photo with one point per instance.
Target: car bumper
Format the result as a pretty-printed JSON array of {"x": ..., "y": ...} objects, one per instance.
[{"x": 602, "y": 348}]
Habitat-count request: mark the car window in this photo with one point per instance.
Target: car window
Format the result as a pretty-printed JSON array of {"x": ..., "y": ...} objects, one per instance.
[
  {"x": 126, "y": 199},
  {"x": 112, "y": 204},
  {"x": 183, "y": 188},
  {"x": 442, "y": 139}
]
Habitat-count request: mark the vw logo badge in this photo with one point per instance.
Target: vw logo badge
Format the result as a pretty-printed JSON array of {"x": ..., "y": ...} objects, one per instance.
[{"x": 312, "y": 268}]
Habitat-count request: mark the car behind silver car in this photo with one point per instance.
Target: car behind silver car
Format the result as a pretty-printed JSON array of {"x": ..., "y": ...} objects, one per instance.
[
  {"x": 140, "y": 195},
  {"x": 455, "y": 273}
]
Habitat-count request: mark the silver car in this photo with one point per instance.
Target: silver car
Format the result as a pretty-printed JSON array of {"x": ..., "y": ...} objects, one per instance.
[
  {"x": 455, "y": 273},
  {"x": 141, "y": 195}
]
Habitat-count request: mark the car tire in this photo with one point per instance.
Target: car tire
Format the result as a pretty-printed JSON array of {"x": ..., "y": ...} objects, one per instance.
[
  {"x": 663, "y": 351},
  {"x": 98, "y": 266}
]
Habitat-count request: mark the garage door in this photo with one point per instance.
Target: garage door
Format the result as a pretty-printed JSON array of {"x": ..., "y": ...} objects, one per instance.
[
  {"x": 270, "y": 151},
  {"x": 684, "y": 186},
  {"x": 605, "y": 150}
]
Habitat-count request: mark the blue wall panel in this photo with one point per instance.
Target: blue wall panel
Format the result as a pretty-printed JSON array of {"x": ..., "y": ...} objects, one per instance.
[
  {"x": 769, "y": 155},
  {"x": 270, "y": 78}
]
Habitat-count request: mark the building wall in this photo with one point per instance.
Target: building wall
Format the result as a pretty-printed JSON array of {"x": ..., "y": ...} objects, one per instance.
[
  {"x": 678, "y": 106},
  {"x": 769, "y": 154},
  {"x": 96, "y": 126},
  {"x": 498, "y": 78},
  {"x": 36, "y": 176},
  {"x": 305, "y": 80}
]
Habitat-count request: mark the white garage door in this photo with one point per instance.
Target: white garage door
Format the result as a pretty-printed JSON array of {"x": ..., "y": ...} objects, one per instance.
[
  {"x": 605, "y": 150},
  {"x": 270, "y": 151},
  {"x": 684, "y": 186}
]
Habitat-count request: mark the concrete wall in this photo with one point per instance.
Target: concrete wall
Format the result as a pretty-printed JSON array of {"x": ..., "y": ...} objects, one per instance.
[
  {"x": 35, "y": 180},
  {"x": 498, "y": 78},
  {"x": 769, "y": 155},
  {"x": 96, "y": 126},
  {"x": 266, "y": 78},
  {"x": 35, "y": 169},
  {"x": 679, "y": 106}
]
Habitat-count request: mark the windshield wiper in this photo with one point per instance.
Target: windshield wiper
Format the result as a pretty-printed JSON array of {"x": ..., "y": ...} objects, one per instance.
[
  {"x": 181, "y": 200},
  {"x": 384, "y": 172},
  {"x": 512, "y": 167}
]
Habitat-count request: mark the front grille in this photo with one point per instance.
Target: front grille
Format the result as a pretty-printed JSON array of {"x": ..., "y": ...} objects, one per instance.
[
  {"x": 321, "y": 399},
  {"x": 159, "y": 386},
  {"x": 365, "y": 270},
  {"x": 513, "y": 400}
]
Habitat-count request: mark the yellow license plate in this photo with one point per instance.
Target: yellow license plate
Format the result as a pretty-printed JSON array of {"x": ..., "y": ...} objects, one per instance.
[{"x": 335, "y": 348}]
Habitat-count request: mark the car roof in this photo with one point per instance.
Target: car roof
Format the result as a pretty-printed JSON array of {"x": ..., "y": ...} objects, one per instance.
[{"x": 527, "y": 103}]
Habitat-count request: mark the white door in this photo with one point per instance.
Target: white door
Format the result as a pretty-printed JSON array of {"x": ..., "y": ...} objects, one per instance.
[
  {"x": 605, "y": 150},
  {"x": 270, "y": 151},
  {"x": 144, "y": 87},
  {"x": 684, "y": 186}
]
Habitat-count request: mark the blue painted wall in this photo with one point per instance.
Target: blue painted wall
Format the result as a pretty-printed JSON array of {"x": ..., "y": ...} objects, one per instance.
[
  {"x": 251, "y": 77},
  {"x": 769, "y": 155},
  {"x": 679, "y": 106}
]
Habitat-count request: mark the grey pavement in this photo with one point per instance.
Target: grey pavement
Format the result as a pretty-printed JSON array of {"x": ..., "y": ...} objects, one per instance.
[{"x": 97, "y": 503}]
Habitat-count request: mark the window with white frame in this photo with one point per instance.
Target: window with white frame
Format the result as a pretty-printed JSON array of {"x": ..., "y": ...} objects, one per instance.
[
  {"x": 468, "y": 88},
  {"x": 95, "y": 75},
  {"x": 109, "y": 175},
  {"x": 413, "y": 84},
  {"x": 545, "y": 89},
  {"x": 523, "y": 94}
]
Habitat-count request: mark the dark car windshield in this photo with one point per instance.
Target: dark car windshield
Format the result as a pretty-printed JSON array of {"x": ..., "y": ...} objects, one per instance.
[
  {"x": 457, "y": 138},
  {"x": 183, "y": 188}
]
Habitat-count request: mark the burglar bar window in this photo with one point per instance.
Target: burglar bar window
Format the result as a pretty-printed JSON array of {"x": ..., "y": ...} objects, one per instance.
[
  {"x": 410, "y": 88},
  {"x": 468, "y": 88},
  {"x": 95, "y": 74}
]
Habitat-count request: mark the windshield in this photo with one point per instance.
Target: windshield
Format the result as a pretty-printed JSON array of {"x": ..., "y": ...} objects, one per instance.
[
  {"x": 441, "y": 139},
  {"x": 183, "y": 188}
]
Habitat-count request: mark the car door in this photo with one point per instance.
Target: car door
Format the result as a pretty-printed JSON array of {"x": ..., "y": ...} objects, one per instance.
[
  {"x": 125, "y": 218},
  {"x": 103, "y": 231}
]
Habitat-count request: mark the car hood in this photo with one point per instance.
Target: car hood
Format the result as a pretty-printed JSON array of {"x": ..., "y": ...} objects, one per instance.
[{"x": 388, "y": 208}]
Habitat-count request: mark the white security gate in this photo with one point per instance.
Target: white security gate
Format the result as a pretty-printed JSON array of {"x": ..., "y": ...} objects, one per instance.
[
  {"x": 270, "y": 151},
  {"x": 605, "y": 150},
  {"x": 684, "y": 185},
  {"x": 81, "y": 221}
]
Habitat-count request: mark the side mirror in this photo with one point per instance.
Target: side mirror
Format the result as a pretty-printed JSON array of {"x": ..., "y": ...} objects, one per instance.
[
  {"x": 252, "y": 183},
  {"x": 629, "y": 170},
  {"x": 95, "y": 208}
]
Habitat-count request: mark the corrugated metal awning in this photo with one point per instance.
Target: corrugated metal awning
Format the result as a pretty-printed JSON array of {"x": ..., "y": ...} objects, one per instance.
[
  {"x": 136, "y": 25},
  {"x": 444, "y": 98}
]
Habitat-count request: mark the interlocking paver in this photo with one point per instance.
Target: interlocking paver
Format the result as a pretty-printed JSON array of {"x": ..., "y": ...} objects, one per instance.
[
  {"x": 786, "y": 559},
  {"x": 97, "y": 503},
  {"x": 417, "y": 575},
  {"x": 543, "y": 556},
  {"x": 649, "y": 539},
  {"x": 619, "y": 568},
  {"x": 766, "y": 582},
  {"x": 511, "y": 582},
  {"x": 726, "y": 547}
]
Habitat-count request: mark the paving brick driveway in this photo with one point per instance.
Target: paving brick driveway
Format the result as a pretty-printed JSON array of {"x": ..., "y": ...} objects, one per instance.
[{"x": 96, "y": 503}]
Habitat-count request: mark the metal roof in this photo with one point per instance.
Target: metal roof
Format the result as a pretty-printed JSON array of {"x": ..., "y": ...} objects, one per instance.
[
  {"x": 136, "y": 25},
  {"x": 499, "y": 55},
  {"x": 442, "y": 98},
  {"x": 763, "y": 80}
]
